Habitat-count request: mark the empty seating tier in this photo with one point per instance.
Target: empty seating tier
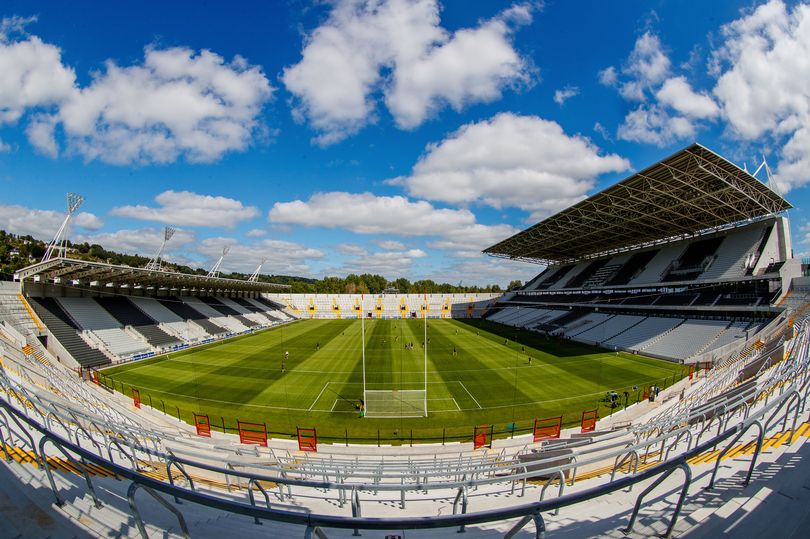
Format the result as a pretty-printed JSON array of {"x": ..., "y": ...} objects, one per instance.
[
  {"x": 632, "y": 268},
  {"x": 578, "y": 280},
  {"x": 88, "y": 314},
  {"x": 219, "y": 306},
  {"x": 157, "y": 337},
  {"x": 185, "y": 312},
  {"x": 246, "y": 304},
  {"x": 155, "y": 310},
  {"x": 64, "y": 330},
  {"x": 125, "y": 311}
]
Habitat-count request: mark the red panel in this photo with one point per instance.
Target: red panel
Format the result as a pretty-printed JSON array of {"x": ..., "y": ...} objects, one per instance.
[
  {"x": 252, "y": 433},
  {"x": 482, "y": 437},
  {"x": 307, "y": 440},
  {"x": 589, "y": 420},
  {"x": 136, "y": 398},
  {"x": 203, "y": 425},
  {"x": 548, "y": 428}
]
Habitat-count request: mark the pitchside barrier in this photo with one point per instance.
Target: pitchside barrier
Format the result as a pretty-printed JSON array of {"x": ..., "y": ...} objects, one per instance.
[
  {"x": 136, "y": 398},
  {"x": 548, "y": 428},
  {"x": 589, "y": 418},
  {"x": 307, "y": 440},
  {"x": 482, "y": 436},
  {"x": 252, "y": 433},
  {"x": 203, "y": 425}
]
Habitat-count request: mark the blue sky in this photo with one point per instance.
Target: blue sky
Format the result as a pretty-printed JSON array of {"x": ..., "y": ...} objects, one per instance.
[{"x": 395, "y": 137}]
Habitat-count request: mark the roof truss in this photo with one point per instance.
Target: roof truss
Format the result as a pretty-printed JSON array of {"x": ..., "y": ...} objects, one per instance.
[{"x": 690, "y": 192}]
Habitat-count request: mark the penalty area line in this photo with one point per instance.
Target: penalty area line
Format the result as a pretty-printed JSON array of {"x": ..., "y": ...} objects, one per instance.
[
  {"x": 319, "y": 396},
  {"x": 470, "y": 394}
]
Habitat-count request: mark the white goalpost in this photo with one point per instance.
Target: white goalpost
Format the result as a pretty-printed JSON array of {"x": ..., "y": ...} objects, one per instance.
[{"x": 392, "y": 402}]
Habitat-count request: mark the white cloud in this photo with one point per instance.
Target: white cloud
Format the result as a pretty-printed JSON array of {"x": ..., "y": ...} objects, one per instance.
[
  {"x": 42, "y": 224},
  {"x": 678, "y": 94},
  {"x": 652, "y": 124},
  {"x": 143, "y": 241},
  {"x": 14, "y": 25},
  {"x": 40, "y": 133},
  {"x": 390, "y": 264},
  {"x": 608, "y": 76},
  {"x": 647, "y": 64},
  {"x": 398, "y": 48},
  {"x": 762, "y": 84},
  {"x": 32, "y": 76},
  {"x": 256, "y": 233},
  {"x": 389, "y": 245},
  {"x": 564, "y": 94},
  {"x": 185, "y": 208},
  {"x": 667, "y": 109},
  {"x": 472, "y": 66},
  {"x": 4, "y": 147},
  {"x": 510, "y": 161},
  {"x": 469, "y": 241},
  {"x": 485, "y": 271},
  {"x": 351, "y": 249},
  {"x": 282, "y": 257},
  {"x": 366, "y": 213},
  {"x": 176, "y": 103}
]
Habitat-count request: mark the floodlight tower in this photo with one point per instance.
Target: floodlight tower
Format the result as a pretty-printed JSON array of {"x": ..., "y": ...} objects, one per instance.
[
  {"x": 155, "y": 263},
  {"x": 58, "y": 246},
  {"x": 215, "y": 270},
  {"x": 771, "y": 181},
  {"x": 255, "y": 276}
]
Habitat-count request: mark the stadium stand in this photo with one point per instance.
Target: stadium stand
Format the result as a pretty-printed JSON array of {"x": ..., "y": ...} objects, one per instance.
[
  {"x": 64, "y": 330},
  {"x": 649, "y": 274},
  {"x": 737, "y": 422}
]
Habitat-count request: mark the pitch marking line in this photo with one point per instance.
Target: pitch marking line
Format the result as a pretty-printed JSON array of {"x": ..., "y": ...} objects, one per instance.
[
  {"x": 470, "y": 394},
  {"x": 319, "y": 396}
]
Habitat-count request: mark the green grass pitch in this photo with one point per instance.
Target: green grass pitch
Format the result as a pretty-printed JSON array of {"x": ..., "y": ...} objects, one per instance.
[{"x": 488, "y": 381}]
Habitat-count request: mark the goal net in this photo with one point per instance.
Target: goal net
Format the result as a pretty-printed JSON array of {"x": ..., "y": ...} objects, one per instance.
[{"x": 395, "y": 403}]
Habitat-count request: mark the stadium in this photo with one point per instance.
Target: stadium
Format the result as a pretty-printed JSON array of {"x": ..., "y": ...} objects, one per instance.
[{"x": 650, "y": 380}]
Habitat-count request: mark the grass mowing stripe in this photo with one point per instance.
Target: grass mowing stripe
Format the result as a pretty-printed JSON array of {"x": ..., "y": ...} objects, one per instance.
[{"x": 487, "y": 381}]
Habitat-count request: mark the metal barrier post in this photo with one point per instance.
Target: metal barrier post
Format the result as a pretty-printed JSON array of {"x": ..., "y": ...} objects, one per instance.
[
  {"x": 136, "y": 515},
  {"x": 687, "y": 471}
]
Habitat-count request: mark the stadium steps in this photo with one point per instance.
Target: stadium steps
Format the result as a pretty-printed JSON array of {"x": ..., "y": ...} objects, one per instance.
[
  {"x": 246, "y": 321},
  {"x": 156, "y": 336},
  {"x": 651, "y": 342},
  {"x": 31, "y": 351},
  {"x": 125, "y": 311},
  {"x": 625, "y": 330},
  {"x": 30, "y": 312},
  {"x": 155, "y": 470},
  {"x": 246, "y": 305},
  {"x": 63, "y": 329},
  {"x": 219, "y": 306},
  {"x": 129, "y": 315}
]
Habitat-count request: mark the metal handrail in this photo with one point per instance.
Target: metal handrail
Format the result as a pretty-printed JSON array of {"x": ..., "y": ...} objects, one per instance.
[{"x": 786, "y": 376}]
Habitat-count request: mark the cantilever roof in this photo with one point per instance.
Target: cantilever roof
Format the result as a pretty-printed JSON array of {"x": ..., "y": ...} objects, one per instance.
[
  {"x": 68, "y": 270},
  {"x": 689, "y": 192}
]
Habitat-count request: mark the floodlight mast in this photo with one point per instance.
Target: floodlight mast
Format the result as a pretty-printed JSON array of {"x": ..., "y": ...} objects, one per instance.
[
  {"x": 58, "y": 246},
  {"x": 155, "y": 264},
  {"x": 255, "y": 276},
  {"x": 215, "y": 270}
]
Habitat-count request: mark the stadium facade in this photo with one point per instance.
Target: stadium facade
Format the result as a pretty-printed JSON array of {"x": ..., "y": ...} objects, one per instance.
[{"x": 689, "y": 259}]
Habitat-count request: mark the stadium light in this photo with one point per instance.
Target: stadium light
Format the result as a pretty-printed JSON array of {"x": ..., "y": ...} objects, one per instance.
[{"x": 58, "y": 246}]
